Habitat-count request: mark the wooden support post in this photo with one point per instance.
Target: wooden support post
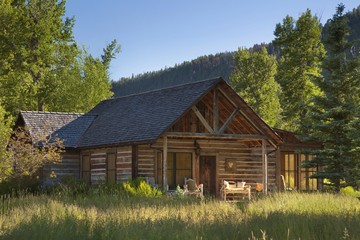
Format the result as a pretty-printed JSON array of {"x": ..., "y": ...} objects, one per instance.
[
  {"x": 134, "y": 162},
  {"x": 216, "y": 110},
  {"x": 264, "y": 166},
  {"x": 165, "y": 156}
]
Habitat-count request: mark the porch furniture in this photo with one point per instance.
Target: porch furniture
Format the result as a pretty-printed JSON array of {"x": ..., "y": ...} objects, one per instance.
[
  {"x": 191, "y": 189},
  {"x": 235, "y": 189}
]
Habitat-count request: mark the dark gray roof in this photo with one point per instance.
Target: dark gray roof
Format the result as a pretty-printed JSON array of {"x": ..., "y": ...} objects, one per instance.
[
  {"x": 133, "y": 119},
  {"x": 142, "y": 117},
  {"x": 67, "y": 126}
]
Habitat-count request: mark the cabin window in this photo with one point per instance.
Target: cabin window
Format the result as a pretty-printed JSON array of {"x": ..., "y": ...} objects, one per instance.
[
  {"x": 111, "y": 168},
  {"x": 290, "y": 171},
  {"x": 86, "y": 169},
  {"x": 179, "y": 167},
  {"x": 297, "y": 177}
]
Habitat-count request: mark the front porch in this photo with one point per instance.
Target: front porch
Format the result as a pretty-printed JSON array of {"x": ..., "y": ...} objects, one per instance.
[{"x": 211, "y": 161}]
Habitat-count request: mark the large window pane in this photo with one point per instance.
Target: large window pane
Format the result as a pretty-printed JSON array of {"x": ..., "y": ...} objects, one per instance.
[{"x": 179, "y": 168}]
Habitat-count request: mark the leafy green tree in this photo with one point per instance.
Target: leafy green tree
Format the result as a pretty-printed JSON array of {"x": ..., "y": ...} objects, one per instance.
[
  {"x": 88, "y": 85},
  {"x": 41, "y": 64},
  {"x": 301, "y": 54},
  {"x": 36, "y": 47},
  {"x": 254, "y": 79},
  {"x": 5, "y": 131},
  {"x": 335, "y": 115}
]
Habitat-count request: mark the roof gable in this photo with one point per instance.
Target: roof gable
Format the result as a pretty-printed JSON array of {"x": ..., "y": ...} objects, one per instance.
[{"x": 142, "y": 117}]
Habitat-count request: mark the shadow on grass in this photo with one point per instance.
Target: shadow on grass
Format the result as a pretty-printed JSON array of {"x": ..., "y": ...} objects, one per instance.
[{"x": 275, "y": 226}]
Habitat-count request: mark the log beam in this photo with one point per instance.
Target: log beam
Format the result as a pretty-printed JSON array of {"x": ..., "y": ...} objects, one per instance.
[
  {"x": 165, "y": 156},
  {"x": 265, "y": 166},
  {"x": 202, "y": 119},
  {"x": 216, "y": 110},
  {"x": 228, "y": 121},
  {"x": 216, "y": 136}
]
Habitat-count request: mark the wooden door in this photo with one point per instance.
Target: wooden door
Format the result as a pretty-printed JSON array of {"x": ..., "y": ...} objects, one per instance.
[{"x": 208, "y": 174}]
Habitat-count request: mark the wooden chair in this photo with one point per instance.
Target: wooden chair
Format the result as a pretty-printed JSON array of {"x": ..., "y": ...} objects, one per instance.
[
  {"x": 191, "y": 189},
  {"x": 235, "y": 189}
]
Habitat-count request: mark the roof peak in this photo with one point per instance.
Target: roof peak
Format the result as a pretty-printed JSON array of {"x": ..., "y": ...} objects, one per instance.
[
  {"x": 58, "y": 113},
  {"x": 169, "y": 87}
]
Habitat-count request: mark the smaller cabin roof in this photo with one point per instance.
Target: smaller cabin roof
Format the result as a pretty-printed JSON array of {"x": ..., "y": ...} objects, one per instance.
[{"x": 67, "y": 126}]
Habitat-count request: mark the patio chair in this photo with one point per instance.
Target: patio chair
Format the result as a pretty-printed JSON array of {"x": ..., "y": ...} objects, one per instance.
[
  {"x": 235, "y": 188},
  {"x": 191, "y": 189}
]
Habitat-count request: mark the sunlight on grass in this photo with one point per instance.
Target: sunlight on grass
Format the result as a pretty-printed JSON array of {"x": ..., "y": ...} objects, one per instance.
[{"x": 279, "y": 216}]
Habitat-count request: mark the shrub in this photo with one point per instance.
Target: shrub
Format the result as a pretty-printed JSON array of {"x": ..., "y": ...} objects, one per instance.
[
  {"x": 107, "y": 189},
  {"x": 350, "y": 192},
  {"x": 140, "y": 188},
  {"x": 68, "y": 186},
  {"x": 19, "y": 185}
]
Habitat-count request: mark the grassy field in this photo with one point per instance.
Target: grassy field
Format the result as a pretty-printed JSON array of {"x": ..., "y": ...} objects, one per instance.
[{"x": 278, "y": 216}]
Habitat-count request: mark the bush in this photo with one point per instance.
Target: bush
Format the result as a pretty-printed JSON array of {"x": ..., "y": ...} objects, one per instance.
[
  {"x": 107, "y": 189},
  {"x": 140, "y": 188},
  {"x": 350, "y": 192},
  {"x": 68, "y": 186},
  {"x": 20, "y": 185}
]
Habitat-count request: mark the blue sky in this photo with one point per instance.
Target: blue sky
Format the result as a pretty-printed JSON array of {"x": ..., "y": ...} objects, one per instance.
[{"x": 157, "y": 34}]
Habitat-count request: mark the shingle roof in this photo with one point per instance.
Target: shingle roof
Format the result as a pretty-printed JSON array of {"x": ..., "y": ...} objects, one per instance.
[
  {"x": 142, "y": 117},
  {"x": 67, "y": 126},
  {"x": 133, "y": 119}
]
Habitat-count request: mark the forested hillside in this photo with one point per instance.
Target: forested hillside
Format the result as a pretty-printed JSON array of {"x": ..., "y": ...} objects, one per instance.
[{"x": 204, "y": 67}]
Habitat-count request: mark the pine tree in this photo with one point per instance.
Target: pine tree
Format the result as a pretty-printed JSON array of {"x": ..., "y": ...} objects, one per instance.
[
  {"x": 301, "y": 54},
  {"x": 254, "y": 79},
  {"x": 335, "y": 115}
]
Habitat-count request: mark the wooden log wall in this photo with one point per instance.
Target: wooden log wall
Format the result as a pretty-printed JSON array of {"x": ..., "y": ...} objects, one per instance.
[
  {"x": 98, "y": 166},
  {"x": 247, "y": 159},
  {"x": 68, "y": 167},
  {"x": 256, "y": 154},
  {"x": 248, "y": 167},
  {"x": 123, "y": 163},
  {"x": 98, "y": 163},
  {"x": 146, "y": 161}
]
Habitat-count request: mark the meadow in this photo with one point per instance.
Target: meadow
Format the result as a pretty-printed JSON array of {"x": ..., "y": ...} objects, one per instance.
[{"x": 119, "y": 216}]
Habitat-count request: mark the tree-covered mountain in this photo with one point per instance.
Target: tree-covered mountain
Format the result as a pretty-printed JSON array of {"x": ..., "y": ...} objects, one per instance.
[{"x": 204, "y": 67}]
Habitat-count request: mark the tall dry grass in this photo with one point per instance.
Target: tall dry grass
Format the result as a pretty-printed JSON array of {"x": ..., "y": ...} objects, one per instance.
[{"x": 279, "y": 216}]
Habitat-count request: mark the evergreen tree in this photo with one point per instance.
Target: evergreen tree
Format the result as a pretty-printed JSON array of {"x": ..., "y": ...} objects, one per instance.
[
  {"x": 301, "y": 53},
  {"x": 335, "y": 115},
  {"x": 254, "y": 79}
]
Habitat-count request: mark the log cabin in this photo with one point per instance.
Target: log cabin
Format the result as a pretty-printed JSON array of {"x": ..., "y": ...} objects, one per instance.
[{"x": 201, "y": 130}]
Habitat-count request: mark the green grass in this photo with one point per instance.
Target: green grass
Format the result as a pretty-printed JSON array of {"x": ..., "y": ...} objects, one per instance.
[{"x": 279, "y": 216}]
